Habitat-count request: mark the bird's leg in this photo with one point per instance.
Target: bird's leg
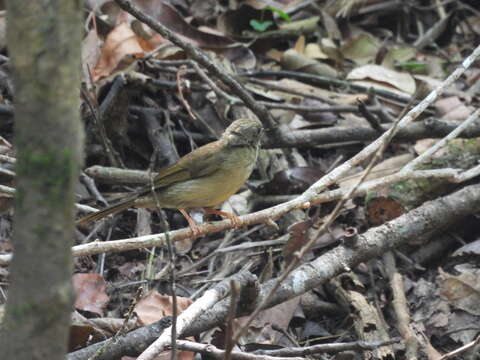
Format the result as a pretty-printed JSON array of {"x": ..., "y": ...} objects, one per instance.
[
  {"x": 193, "y": 225},
  {"x": 233, "y": 218}
]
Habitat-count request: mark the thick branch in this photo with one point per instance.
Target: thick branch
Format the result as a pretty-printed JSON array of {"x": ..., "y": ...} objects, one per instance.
[
  {"x": 433, "y": 215},
  {"x": 430, "y": 128}
]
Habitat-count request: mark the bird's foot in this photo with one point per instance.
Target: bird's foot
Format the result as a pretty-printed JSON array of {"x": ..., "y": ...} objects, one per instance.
[
  {"x": 233, "y": 218},
  {"x": 196, "y": 232}
]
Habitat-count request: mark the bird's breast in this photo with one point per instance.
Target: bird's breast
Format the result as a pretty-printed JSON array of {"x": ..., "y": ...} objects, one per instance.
[{"x": 212, "y": 189}]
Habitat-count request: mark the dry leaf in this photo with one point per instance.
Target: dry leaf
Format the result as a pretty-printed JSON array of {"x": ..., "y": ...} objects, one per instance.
[
  {"x": 260, "y": 331},
  {"x": 384, "y": 168},
  {"x": 462, "y": 291},
  {"x": 313, "y": 51},
  {"x": 119, "y": 43},
  {"x": 400, "y": 80},
  {"x": 361, "y": 49},
  {"x": 90, "y": 292},
  {"x": 154, "y": 307},
  {"x": 292, "y": 60}
]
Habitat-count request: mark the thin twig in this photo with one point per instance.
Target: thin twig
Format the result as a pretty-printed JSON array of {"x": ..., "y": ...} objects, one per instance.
[
  {"x": 330, "y": 348},
  {"x": 427, "y": 154},
  {"x": 461, "y": 349},
  {"x": 232, "y": 312},
  {"x": 122, "y": 330},
  {"x": 262, "y": 113},
  {"x": 324, "y": 81},
  {"x": 330, "y": 219},
  {"x": 219, "y": 354},
  {"x": 400, "y": 306},
  {"x": 187, "y": 317},
  {"x": 112, "y": 155},
  {"x": 171, "y": 256}
]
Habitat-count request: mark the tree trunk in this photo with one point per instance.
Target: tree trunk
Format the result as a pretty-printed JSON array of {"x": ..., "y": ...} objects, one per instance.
[{"x": 44, "y": 47}]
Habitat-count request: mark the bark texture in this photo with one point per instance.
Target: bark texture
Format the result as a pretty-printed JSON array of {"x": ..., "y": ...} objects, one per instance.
[{"x": 44, "y": 47}]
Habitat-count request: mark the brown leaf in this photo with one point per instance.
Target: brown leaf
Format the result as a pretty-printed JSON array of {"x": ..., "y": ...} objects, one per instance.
[
  {"x": 154, "y": 307},
  {"x": 383, "y": 209},
  {"x": 386, "y": 167},
  {"x": 169, "y": 17},
  {"x": 298, "y": 239},
  {"x": 300, "y": 45},
  {"x": 462, "y": 291},
  {"x": 314, "y": 51},
  {"x": 452, "y": 108},
  {"x": 90, "y": 53},
  {"x": 119, "y": 43},
  {"x": 260, "y": 331},
  {"x": 400, "y": 80},
  {"x": 90, "y": 292},
  {"x": 79, "y": 335},
  {"x": 205, "y": 11},
  {"x": 361, "y": 49},
  {"x": 292, "y": 60}
]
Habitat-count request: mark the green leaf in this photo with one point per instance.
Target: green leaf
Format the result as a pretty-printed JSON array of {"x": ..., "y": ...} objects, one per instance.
[
  {"x": 413, "y": 66},
  {"x": 260, "y": 26},
  {"x": 281, "y": 13}
]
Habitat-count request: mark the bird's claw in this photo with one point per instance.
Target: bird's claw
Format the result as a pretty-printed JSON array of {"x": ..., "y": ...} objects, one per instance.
[
  {"x": 232, "y": 217},
  {"x": 196, "y": 232}
]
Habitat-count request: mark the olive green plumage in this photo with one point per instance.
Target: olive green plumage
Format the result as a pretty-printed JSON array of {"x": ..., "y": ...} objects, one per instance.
[{"x": 203, "y": 178}]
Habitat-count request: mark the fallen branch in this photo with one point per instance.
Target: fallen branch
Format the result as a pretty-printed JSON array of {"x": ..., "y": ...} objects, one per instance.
[
  {"x": 431, "y": 216},
  {"x": 327, "y": 348},
  {"x": 430, "y": 128},
  {"x": 265, "y": 215},
  {"x": 137, "y": 340},
  {"x": 434, "y": 215},
  {"x": 219, "y": 354}
]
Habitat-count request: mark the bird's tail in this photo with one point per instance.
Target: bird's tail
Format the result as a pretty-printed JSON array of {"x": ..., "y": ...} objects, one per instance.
[{"x": 105, "y": 212}]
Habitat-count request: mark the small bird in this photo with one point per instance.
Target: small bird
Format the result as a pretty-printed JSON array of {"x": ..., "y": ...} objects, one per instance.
[{"x": 203, "y": 178}]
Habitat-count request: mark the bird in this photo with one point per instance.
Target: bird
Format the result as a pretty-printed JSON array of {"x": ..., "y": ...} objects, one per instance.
[{"x": 203, "y": 178}]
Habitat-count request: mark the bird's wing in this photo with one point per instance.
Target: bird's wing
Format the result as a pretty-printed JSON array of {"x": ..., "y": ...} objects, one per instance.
[{"x": 201, "y": 162}]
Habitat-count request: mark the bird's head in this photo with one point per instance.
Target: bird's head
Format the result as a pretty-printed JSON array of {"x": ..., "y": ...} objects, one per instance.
[{"x": 244, "y": 132}]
